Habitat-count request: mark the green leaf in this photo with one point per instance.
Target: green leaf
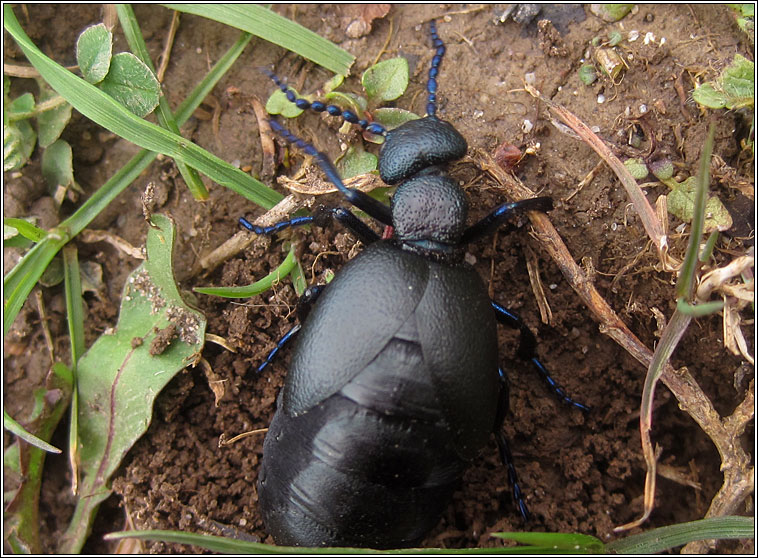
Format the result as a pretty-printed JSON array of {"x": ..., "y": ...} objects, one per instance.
[
  {"x": 53, "y": 274},
  {"x": 57, "y": 165},
  {"x": 276, "y": 29},
  {"x": 333, "y": 83},
  {"x": 12, "y": 426},
  {"x": 611, "y": 12},
  {"x": 698, "y": 310},
  {"x": 707, "y": 95},
  {"x": 51, "y": 123},
  {"x": 662, "y": 169},
  {"x": 386, "y": 80},
  {"x": 356, "y": 161},
  {"x": 681, "y": 203},
  {"x": 24, "y": 227},
  {"x": 637, "y": 168},
  {"x": 738, "y": 82},
  {"x": 734, "y": 88},
  {"x": 93, "y": 52},
  {"x": 663, "y": 538},
  {"x": 279, "y": 104},
  {"x": 350, "y": 101},
  {"x": 132, "y": 84},
  {"x": 120, "y": 376},
  {"x": 587, "y": 74},
  {"x": 259, "y": 286},
  {"x": 393, "y": 117},
  {"x": 19, "y": 139},
  {"x": 554, "y": 543}
]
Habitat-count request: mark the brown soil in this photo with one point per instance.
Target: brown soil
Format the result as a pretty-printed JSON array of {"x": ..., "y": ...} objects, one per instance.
[{"x": 581, "y": 473}]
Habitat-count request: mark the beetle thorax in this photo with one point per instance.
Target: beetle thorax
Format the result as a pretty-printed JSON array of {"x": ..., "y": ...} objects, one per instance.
[{"x": 429, "y": 213}]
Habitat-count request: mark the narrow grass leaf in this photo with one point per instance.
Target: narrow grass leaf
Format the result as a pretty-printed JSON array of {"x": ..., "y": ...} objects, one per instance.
[
  {"x": 685, "y": 283},
  {"x": 15, "y": 428},
  {"x": 554, "y": 543},
  {"x": 120, "y": 376},
  {"x": 664, "y": 538},
  {"x": 259, "y": 286},
  {"x": 275, "y": 29},
  {"x": 25, "y": 228}
]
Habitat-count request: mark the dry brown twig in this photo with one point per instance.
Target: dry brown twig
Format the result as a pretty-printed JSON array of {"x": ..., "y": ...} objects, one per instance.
[{"x": 724, "y": 432}]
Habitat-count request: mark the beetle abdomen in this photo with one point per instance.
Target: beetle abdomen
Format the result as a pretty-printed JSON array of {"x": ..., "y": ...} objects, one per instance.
[{"x": 373, "y": 465}]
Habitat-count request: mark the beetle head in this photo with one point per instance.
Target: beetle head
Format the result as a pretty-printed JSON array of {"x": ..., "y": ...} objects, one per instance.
[{"x": 419, "y": 144}]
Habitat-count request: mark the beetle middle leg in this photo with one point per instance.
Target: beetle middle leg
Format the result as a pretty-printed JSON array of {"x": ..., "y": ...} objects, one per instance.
[
  {"x": 527, "y": 351},
  {"x": 304, "y": 305}
]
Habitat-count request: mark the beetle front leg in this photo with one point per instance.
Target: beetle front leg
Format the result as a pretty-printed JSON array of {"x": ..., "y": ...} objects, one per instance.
[{"x": 527, "y": 350}]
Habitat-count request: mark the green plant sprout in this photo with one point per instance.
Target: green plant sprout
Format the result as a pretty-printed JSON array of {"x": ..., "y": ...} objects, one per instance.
[{"x": 681, "y": 199}]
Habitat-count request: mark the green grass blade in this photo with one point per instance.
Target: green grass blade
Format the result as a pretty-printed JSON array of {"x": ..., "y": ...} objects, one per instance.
[
  {"x": 234, "y": 546},
  {"x": 684, "y": 285},
  {"x": 554, "y": 543},
  {"x": 165, "y": 117},
  {"x": 12, "y": 426},
  {"x": 19, "y": 282},
  {"x": 105, "y": 111},
  {"x": 74, "y": 303},
  {"x": 259, "y": 286},
  {"x": 275, "y": 29},
  {"x": 663, "y": 538}
]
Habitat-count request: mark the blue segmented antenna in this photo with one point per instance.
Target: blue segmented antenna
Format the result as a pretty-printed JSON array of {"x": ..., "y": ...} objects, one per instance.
[
  {"x": 332, "y": 110},
  {"x": 431, "y": 84}
]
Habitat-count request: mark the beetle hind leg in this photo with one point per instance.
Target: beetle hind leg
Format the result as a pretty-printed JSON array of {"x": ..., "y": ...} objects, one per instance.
[
  {"x": 527, "y": 351},
  {"x": 502, "y": 446}
]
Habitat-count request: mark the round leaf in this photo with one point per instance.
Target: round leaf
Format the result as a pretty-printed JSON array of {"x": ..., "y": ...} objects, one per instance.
[
  {"x": 356, "y": 161},
  {"x": 19, "y": 139},
  {"x": 51, "y": 122},
  {"x": 57, "y": 166},
  {"x": 132, "y": 84},
  {"x": 93, "y": 52},
  {"x": 279, "y": 104},
  {"x": 393, "y": 117},
  {"x": 386, "y": 80}
]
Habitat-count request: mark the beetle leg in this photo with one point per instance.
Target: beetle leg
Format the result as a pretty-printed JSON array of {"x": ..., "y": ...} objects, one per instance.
[
  {"x": 362, "y": 231},
  {"x": 527, "y": 351},
  {"x": 279, "y": 345},
  {"x": 502, "y": 445},
  {"x": 304, "y": 306},
  {"x": 501, "y": 215}
]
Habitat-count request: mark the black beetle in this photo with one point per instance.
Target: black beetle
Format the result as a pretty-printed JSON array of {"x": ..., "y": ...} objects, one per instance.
[{"x": 394, "y": 385}]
